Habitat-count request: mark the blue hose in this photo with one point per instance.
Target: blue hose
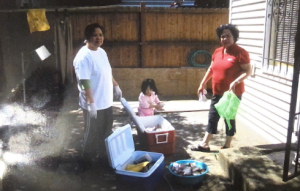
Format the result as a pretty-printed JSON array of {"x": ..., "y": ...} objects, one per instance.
[{"x": 192, "y": 56}]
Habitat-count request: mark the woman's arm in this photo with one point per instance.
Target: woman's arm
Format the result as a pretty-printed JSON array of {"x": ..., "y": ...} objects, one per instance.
[
  {"x": 89, "y": 96},
  {"x": 114, "y": 82},
  {"x": 85, "y": 85},
  {"x": 247, "y": 71},
  {"x": 205, "y": 79}
]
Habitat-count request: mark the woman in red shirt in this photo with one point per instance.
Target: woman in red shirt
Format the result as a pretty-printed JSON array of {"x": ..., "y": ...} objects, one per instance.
[{"x": 230, "y": 66}]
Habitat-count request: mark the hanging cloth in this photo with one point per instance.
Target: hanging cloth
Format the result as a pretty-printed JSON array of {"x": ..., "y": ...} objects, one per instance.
[
  {"x": 37, "y": 20},
  {"x": 64, "y": 48}
]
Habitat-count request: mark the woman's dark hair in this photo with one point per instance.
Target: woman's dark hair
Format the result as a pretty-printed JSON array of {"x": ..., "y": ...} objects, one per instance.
[
  {"x": 234, "y": 31},
  {"x": 149, "y": 83},
  {"x": 90, "y": 29}
]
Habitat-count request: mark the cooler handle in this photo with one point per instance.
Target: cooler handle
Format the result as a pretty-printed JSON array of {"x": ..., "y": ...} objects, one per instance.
[{"x": 160, "y": 142}]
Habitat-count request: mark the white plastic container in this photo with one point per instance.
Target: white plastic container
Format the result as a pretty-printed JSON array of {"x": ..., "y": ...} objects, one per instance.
[{"x": 121, "y": 152}]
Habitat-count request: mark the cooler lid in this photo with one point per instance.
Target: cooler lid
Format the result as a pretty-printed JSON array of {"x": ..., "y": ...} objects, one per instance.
[{"x": 119, "y": 146}]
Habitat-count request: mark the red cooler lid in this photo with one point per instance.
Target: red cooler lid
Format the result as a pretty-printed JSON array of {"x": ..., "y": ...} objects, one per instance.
[{"x": 119, "y": 146}]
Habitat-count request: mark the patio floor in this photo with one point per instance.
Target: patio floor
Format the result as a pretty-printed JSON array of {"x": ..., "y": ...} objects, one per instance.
[{"x": 59, "y": 169}]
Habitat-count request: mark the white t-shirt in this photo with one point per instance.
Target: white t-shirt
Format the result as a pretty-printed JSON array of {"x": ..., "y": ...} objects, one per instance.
[{"x": 94, "y": 66}]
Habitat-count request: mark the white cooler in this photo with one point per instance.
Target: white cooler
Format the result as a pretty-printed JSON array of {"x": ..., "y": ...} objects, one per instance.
[{"x": 121, "y": 152}]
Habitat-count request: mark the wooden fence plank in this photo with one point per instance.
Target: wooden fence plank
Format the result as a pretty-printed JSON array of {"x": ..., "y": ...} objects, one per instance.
[
  {"x": 193, "y": 27},
  {"x": 173, "y": 27},
  {"x": 180, "y": 29},
  {"x": 199, "y": 24},
  {"x": 186, "y": 26},
  {"x": 169, "y": 35},
  {"x": 206, "y": 26}
]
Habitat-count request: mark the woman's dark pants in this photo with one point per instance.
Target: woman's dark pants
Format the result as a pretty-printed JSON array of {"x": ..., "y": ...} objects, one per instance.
[{"x": 214, "y": 117}]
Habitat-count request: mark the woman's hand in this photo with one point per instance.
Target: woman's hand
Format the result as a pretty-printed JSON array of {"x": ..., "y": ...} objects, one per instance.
[
  {"x": 117, "y": 92},
  {"x": 200, "y": 90},
  {"x": 92, "y": 110},
  {"x": 233, "y": 84}
]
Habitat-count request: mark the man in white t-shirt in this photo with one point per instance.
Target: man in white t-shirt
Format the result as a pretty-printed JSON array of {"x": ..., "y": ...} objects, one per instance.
[{"x": 96, "y": 86}]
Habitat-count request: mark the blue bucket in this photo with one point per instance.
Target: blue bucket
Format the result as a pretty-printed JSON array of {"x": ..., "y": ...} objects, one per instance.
[{"x": 189, "y": 180}]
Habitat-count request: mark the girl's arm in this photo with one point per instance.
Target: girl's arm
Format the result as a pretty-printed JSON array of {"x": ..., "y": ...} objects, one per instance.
[{"x": 156, "y": 100}]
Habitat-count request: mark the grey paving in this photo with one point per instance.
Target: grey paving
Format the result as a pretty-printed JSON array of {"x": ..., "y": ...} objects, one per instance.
[{"x": 59, "y": 169}]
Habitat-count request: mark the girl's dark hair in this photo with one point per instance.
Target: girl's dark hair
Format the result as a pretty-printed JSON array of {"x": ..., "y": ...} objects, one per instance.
[
  {"x": 90, "y": 29},
  {"x": 234, "y": 31},
  {"x": 149, "y": 83}
]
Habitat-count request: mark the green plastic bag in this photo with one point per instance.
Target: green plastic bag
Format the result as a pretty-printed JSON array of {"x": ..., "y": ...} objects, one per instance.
[{"x": 227, "y": 106}]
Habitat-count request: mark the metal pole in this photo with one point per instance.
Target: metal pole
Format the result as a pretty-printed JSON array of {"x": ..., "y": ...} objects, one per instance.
[
  {"x": 293, "y": 103},
  {"x": 23, "y": 75}
]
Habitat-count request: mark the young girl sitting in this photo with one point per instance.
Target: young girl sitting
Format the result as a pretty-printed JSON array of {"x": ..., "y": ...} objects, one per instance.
[{"x": 148, "y": 100}]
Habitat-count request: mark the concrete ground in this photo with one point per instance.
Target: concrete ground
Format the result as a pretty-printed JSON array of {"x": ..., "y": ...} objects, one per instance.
[{"x": 58, "y": 167}]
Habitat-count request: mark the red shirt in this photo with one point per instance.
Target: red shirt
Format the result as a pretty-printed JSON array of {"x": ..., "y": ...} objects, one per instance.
[{"x": 226, "y": 68}]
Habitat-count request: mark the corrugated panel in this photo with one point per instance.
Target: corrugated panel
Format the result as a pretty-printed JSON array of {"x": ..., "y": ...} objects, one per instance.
[
  {"x": 278, "y": 84},
  {"x": 249, "y": 16},
  {"x": 258, "y": 123},
  {"x": 255, "y": 58},
  {"x": 237, "y": 3},
  {"x": 266, "y": 114},
  {"x": 252, "y": 35},
  {"x": 251, "y": 21},
  {"x": 253, "y": 28},
  {"x": 252, "y": 49},
  {"x": 253, "y": 7},
  {"x": 268, "y": 98},
  {"x": 265, "y": 104},
  {"x": 251, "y": 42},
  {"x": 252, "y": 14},
  {"x": 269, "y": 91},
  {"x": 268, "y": 107}
]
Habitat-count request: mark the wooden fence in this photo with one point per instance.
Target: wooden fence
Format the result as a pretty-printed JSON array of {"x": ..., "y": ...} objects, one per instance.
[
  {"x": 135, "y": 37},
  {"x": 152, "y": 37}
]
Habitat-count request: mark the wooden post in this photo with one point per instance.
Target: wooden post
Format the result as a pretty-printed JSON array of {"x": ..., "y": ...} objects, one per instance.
[{"x": 142, "y": 33}]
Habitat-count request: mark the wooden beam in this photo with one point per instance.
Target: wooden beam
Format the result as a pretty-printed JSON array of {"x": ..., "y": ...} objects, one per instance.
[{"x": 142, "y": 33}]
